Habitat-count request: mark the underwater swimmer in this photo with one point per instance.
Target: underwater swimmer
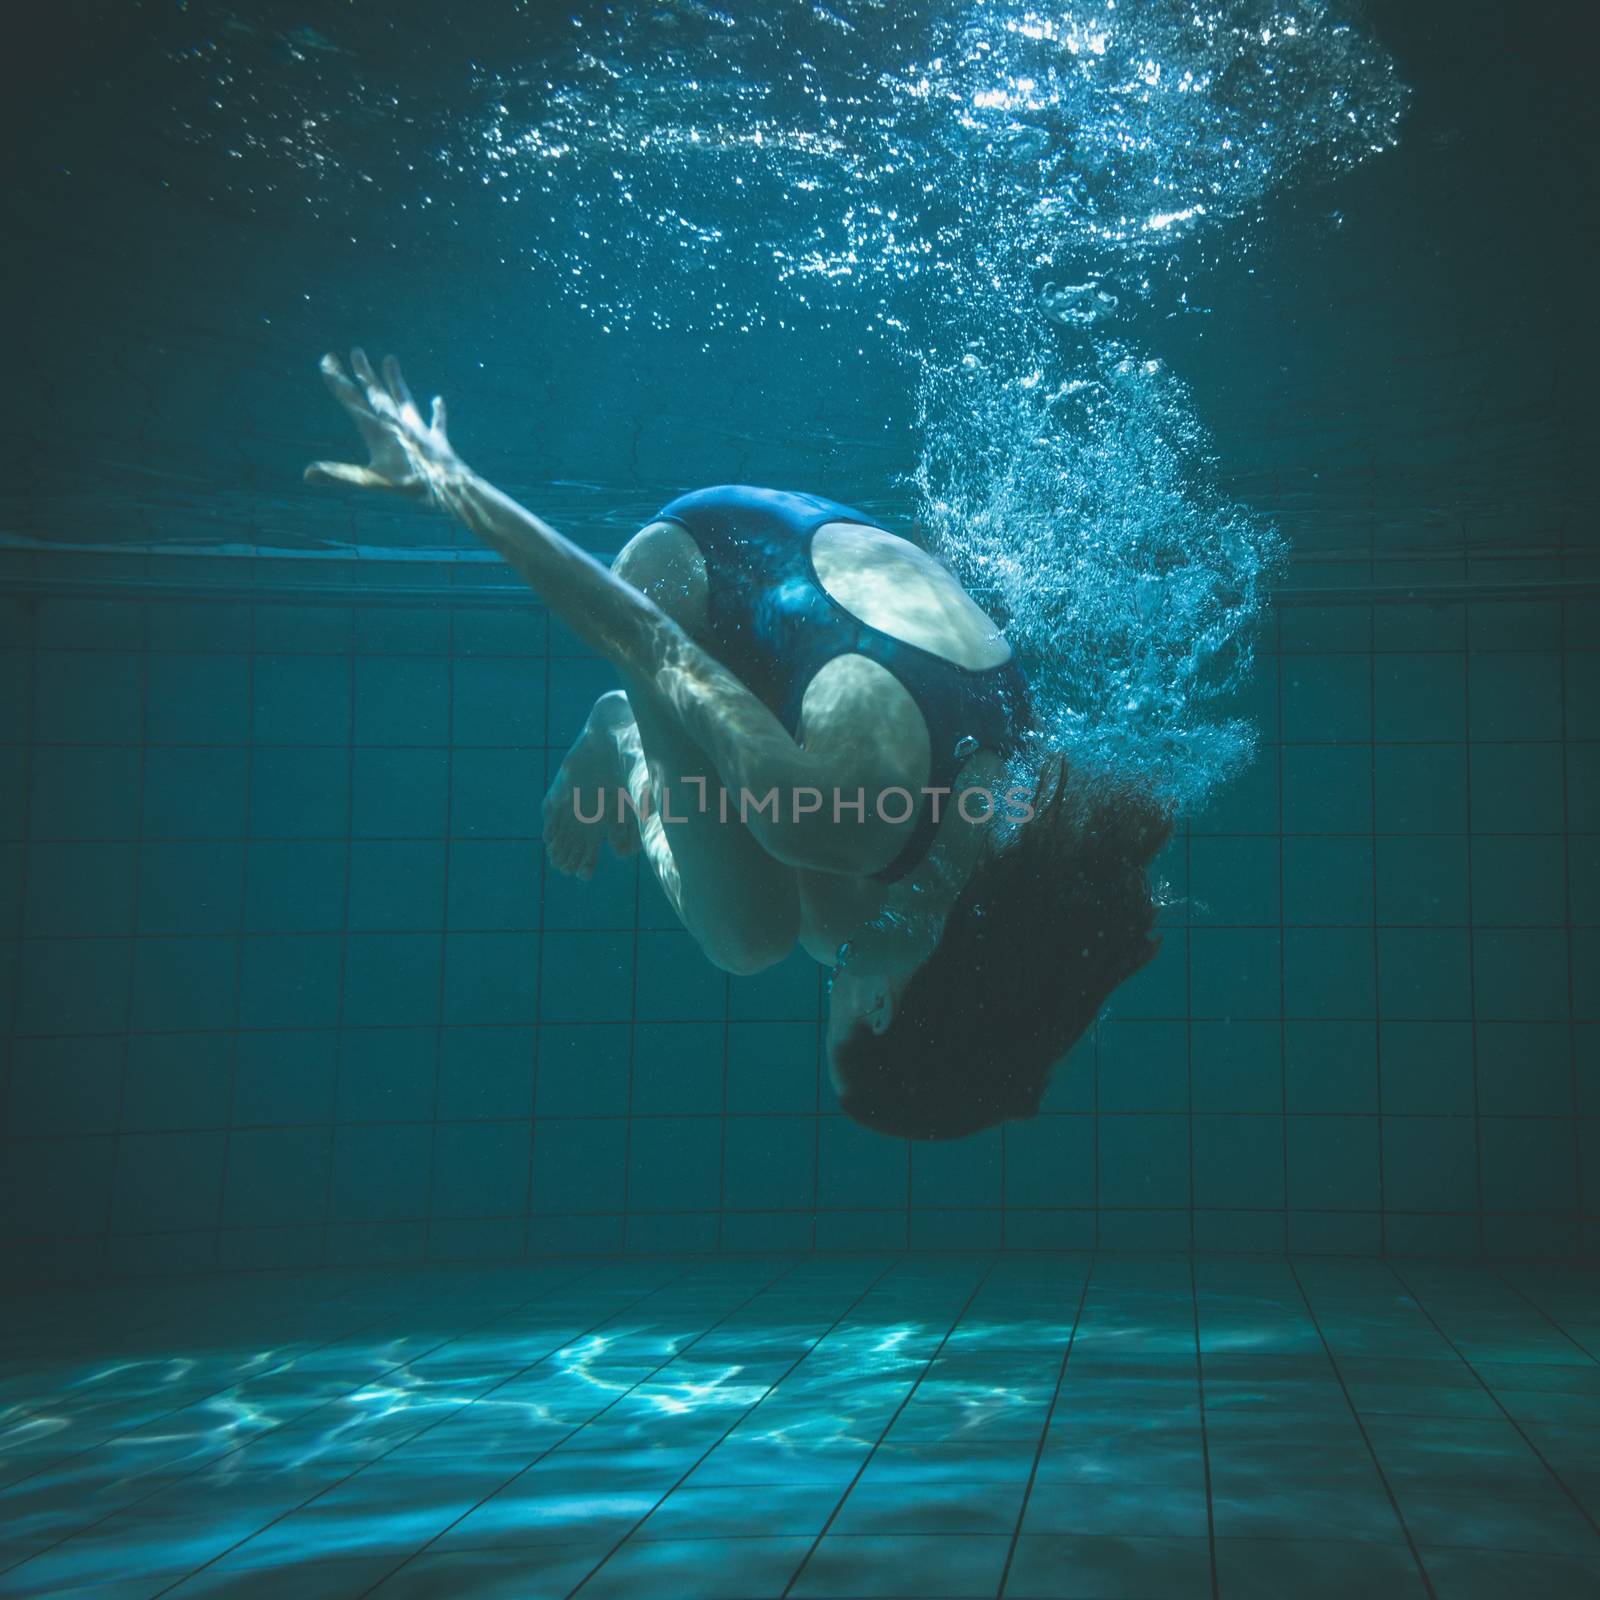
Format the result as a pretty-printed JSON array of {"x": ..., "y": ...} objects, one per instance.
[{"x": 817, "y": 732}]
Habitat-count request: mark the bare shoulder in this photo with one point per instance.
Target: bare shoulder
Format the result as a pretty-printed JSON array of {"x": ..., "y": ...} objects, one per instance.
[
  {"x": 860, "y": 714},
  {"x": 663, "y": 561}
]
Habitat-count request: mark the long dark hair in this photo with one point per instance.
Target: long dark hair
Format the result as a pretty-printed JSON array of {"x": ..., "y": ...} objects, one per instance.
[{"x": 1052, "y": 919}]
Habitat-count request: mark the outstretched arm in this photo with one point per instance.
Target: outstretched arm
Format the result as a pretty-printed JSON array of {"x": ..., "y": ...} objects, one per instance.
[{"x": 751, "y": 749}]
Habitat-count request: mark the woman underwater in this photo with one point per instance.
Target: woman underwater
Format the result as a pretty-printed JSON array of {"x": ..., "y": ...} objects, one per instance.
[{"x": 808, "y": 700}]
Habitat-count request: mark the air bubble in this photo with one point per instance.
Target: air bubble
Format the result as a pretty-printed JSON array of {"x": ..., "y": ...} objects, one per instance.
[
  {"x": 966, "y": 745},
  {"x": 1076, "y": 304}
]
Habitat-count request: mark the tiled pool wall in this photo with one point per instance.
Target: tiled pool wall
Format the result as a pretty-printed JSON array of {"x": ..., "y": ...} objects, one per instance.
[{"x": 288, "y": 984}]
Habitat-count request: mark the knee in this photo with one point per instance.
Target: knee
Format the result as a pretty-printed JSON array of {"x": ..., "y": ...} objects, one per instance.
[
  {"x": 743, "y": 952},
  {"x": 746, "y": 960}
]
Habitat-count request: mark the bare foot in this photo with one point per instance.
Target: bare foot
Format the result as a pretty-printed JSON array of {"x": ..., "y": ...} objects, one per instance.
[{"x": 590, "y": 782}]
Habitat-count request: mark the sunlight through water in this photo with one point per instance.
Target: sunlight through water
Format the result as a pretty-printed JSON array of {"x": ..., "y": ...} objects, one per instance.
[{"x": 1010, "y": 198}]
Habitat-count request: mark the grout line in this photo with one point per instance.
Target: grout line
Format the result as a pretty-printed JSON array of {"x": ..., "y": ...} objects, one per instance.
[
  {"x": 219, "y": 1221},
  {"x": 539, "y": 1044},
  {"x": 1472, "y": 939},
  {"x": 1044, "y": 1432},
  {"x": 905, "y": 1400},
  {"x": 1188, "y": 1019},
  {"x": 853, "y": 1210},
  {"x": 1283, "y": 961},
  {"x": 131, "y": 968},
  {"x": 496, "y": 596},
  {"x": 1520, "y": 743},
  {"x": 267, "y": 934},
  {"x": 1377, "y": 936},
  {"x": 1522, "y": 1432},
  {"x": 1578, "y": 1201},
  {"x": 722, "y": 1119},
  {"x": 1372, "y": 821},
  {"x": 1097, "y": 1210},
  {"x": 24, "y": 845},
  {"x": 344, "y": 953},
  {"x": 771, "y": 1389},
  {"x": 798, "y": 1116},
  {"x": 910, "y": 1158},
  {"x": 440, "y": 991},
  {"x": 702, "y": 1021},
  {"x": 820, "y": 1049},
  {"x": 1548, "y": 1316},
  {"x": 1205, "y": 1436},
  {"x": 523, "y": 838},
  {"x": 502, "y": 746},
  {"x": 1361, "y": 1428},
  {"x": 368, "y": 1381},
  {"x": 617, "y": 1399},
  {"x": 288, "y": 1363},
  {"x": 633, "y": 1052}
]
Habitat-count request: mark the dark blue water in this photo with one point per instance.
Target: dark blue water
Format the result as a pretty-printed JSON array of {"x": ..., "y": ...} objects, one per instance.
[{"x": 381, "y": 1210}]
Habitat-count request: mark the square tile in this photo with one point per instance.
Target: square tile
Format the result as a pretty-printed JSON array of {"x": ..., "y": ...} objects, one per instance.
[
  {"x": 1107, "y": 1568},
  {"x": 1327, "y": 698},
  {"x": 721, "y": 1512},
  {"x": 1328, "y": 972},
  {"x": 858, "y": 1168},
  {"x": 1233, "y": 881},
  {"x": 1517, "y": 788},
  {"x": 1238, "y": 1161},
  {"x": 1237, "y": 1065},
  {"x": 1423, "y": 880},
  {"x": 396, "y": 885},
  {"x": 769, "y": 1162},
  {"x": 1514, "y": 696},
  {"x": 1424, "y": 973},
  {"x": 884, "y": 1507},
  {"x": 932, "y": 1567},
  {"x": 1143, "y": 1065},
  {"x": 1234, "y": 972},
  {"x": 1327, "y": 881},
  {"x": 1316, "y": 1569},
  {"x": 677, "y": 1066},
  {"x": 1420, "y": 697},
  {"x": 1331, "y": 1066},
  {"x": 1327, "y": 788},
  {"x": 1420, "y": 788},
  {"x": 699, "y": 1569},
  {"x": 1167, "y": 1510}
]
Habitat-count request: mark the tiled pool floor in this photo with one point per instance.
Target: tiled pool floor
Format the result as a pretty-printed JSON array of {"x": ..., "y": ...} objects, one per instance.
[{"x": 1115, "y": 1428}]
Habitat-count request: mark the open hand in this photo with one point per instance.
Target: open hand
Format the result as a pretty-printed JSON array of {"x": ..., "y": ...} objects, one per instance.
[{"x": 405, "y": 454}]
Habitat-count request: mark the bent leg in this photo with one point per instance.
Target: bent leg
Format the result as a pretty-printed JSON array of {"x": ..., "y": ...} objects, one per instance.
[
  {"x": 741, "y": 906},
  {"x": 580, "y": 807}
]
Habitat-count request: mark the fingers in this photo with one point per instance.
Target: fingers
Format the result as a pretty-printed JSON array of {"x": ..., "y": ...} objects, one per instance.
[
  {"x": 342, "y": 472},
  {"x": 382, "y": 402},
  {"x": 379, "y": 400},
  {"x": 341, "y": 388},
  {"x": 360, "y": 478},
  {"x": 398, "y": 392}
]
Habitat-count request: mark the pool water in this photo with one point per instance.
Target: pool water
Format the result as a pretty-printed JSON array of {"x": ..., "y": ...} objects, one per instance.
[{"x": 383, "y": 1212}]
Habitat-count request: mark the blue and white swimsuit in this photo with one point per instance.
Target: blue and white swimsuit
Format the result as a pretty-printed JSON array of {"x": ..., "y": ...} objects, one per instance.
[{"x": 774, "y": 625}]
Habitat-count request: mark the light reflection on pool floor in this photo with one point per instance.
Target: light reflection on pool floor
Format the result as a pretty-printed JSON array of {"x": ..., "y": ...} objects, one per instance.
[{"x": 1127, "y": 1428}]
